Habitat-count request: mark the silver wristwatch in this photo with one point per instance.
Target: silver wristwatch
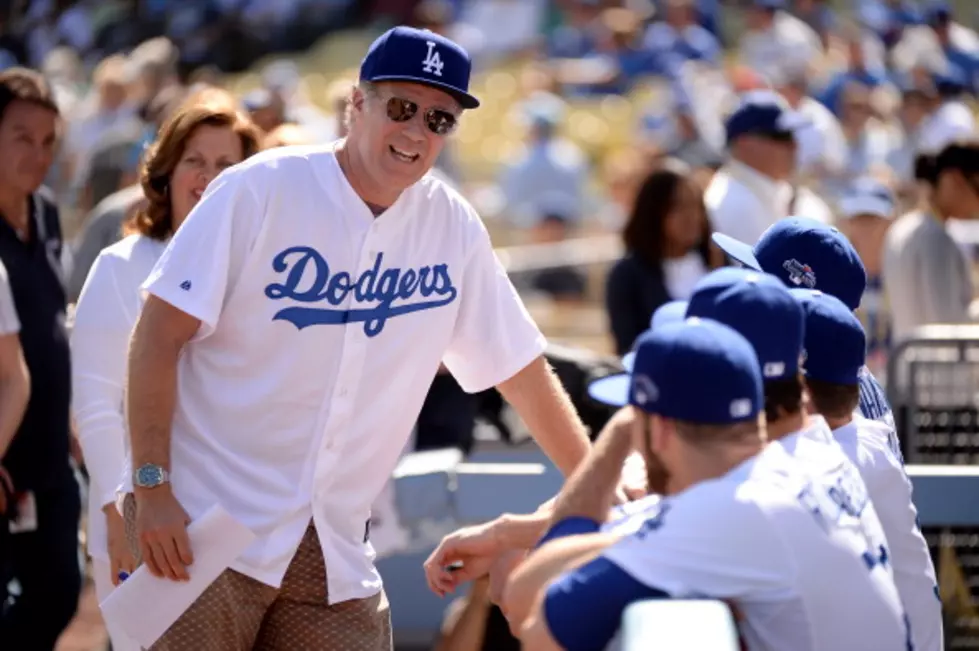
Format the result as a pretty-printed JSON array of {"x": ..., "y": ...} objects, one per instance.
[{"x": 150, "y": 475}]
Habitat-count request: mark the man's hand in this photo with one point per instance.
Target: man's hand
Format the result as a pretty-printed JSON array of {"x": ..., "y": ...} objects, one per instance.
[
  {"x": 6, "y": 488},
  {"x": 475, "y": 548},
  {"x": 121, "y": 558},
  {"x": 161, "y": 529}
]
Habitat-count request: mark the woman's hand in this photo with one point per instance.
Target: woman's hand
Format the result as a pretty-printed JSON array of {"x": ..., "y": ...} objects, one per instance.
[{"x": 121, "y": 558}]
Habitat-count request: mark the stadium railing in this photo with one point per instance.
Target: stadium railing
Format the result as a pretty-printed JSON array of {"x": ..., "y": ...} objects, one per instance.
[{"x": 933, "y": 387}]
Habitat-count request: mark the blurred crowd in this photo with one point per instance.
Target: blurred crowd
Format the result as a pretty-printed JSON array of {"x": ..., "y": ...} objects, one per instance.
[{"x": 748, "y": 111}]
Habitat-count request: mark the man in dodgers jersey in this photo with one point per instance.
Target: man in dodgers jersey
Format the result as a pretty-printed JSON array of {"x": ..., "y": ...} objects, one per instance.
[
  {"x": 835, "y": 351},
  {"x": 740, "y": 522},
  {"x": 809, "y": 254},
  {"x": 290, "y": 333}
]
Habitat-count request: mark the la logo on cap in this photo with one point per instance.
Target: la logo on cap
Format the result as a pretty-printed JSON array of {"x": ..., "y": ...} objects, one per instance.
[{"x": 433, "y": 62}]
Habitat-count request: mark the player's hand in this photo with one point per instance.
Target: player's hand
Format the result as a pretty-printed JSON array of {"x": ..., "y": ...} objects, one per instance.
[
  {"x": 470, "y": 551},
  {"x": 161, "y": 528},
  {"x": 121, "y": 558}
]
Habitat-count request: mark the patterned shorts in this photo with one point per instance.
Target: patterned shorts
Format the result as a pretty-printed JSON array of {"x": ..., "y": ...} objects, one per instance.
[{"x": 239, "y": 613}]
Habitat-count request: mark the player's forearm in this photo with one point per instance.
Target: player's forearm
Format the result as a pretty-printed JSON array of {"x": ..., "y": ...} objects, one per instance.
[
  {"x": 543, "y": 566},
  {"x": 522, "y": 531},
  {"x": 590, "y": 491},
  {"x": 539, "y": 399},
  {"x": 151, "y": 396}
]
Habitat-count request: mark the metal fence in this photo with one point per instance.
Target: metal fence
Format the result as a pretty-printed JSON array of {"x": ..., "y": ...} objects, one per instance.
[{"x": 933, "y": 387}]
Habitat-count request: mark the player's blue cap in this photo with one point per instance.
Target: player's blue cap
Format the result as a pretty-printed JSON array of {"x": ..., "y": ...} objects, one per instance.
[
  {"x": 761, "y": 308},
  {"x": 804, "y": 253},
  {"x": 697, "y": 370},
  {"x": 671, "y": 312},
  {"x": 764, "y": 112},
  {"x": 835, "y": 345},
  {"x": 418, "y": 55}
]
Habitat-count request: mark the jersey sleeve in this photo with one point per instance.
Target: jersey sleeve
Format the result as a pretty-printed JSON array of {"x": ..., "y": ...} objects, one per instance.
[
  {"x": 196, "y": 272},
  {"x": 699, "y": 546},
  {"x": 9, "y": 322},
  {"x": 494, "y": 336},
  {"x": 583, "y": 607},
  {"x": 890, "y": 490}
]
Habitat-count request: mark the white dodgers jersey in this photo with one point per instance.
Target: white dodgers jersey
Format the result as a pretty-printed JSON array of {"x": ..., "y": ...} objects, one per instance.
[
  {"x": 867, "y": 444},
  {"x": 797, "y": 556}
]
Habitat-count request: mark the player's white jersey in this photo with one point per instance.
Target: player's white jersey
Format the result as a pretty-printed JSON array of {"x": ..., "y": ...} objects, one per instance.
[
  {"x": 867, "y": 444},
  {"x": 796, "y": 554}
]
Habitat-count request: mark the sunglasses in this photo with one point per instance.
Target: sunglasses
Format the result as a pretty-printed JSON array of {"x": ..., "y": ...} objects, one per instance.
[{"x": 439, "y": 121}]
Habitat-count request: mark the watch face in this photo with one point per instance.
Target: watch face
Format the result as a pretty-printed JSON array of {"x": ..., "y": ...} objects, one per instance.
[{"x": 149, "y": 476}]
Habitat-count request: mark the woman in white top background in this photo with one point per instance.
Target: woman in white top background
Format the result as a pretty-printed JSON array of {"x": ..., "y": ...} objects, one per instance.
[{"x": 206, "y": 134}]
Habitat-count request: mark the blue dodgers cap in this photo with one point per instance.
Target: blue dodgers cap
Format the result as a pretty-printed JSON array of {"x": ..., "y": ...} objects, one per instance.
[
  {"x": 671, "y": 312},
  {"x": 804, "y": 253},
  {"x": 698, "y": 371},
  {"x": 835, "y": 343},
  {"x": 761, "y": 308},
  {"x": 764, "y": 112},
  {"x": 418, "y": 55}
]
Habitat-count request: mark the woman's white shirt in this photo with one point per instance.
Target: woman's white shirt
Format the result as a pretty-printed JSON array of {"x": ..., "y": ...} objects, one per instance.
[{"x": 104, "y": 317}]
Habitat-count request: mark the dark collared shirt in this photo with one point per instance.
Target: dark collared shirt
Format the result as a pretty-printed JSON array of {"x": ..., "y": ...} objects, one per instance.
[{"x": 38, "y": 457}]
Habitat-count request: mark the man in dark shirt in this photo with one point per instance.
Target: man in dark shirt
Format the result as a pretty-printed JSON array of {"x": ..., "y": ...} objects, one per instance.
[{"x": 43, "y": 552}]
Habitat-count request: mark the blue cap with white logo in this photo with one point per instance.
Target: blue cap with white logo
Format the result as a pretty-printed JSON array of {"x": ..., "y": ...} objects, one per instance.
[
  {"x": 421, "y": 56},
  {"x": 698, "y": 371},
  {"x": 764, "y": 112},
  {"x": 761, "y": 308},
  {"x": 835, "y": 345},
  {"x": 804, "y": 253},
  {"x": 671, "y": 312}
]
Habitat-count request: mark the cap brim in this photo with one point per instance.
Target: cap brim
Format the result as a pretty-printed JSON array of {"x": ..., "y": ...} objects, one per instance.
[
  {"x": 465, "y": 100},
  {"x": 737, "y": 250},
  {"x": 612, "y": 390}
]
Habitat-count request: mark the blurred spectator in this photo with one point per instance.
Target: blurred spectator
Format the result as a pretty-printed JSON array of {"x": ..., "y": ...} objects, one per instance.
[
  {"x": 919, "y": 99},
  {"x": 578, "y": 34},
  {"x": 667, "y": 250},
  {"x": 952, "y": 119},
  {"x": 818, "y": 15},
  {"x": 622, "y": 174},
  {"x": 103, "y": 225},
  {"x": 106, "y": 112},
  {"x": 265, "y": 108},
  {"x": 869, "y": 142},
  {"x": 888, "y": 18},
  {"x": 552, "y": 167},
  {"x": 477, "y": 27},
  {"x": 866, "y": 212},
  {"x": 862, "y": 67},
  {"x": 680, "y": 36},
  {"x": 289, "y": 90},
  {"x": 753, "y": 189},
  {"x": 560, "y": 283},
  {"x": 286, "y": 135},
  {"x": 773, "y": 35},
  {"x": 821, "y": 146},
  {"x": 926, "y": 277},
  {"x": 43, "y": 555},
  {"x": 204, "y": 137}
]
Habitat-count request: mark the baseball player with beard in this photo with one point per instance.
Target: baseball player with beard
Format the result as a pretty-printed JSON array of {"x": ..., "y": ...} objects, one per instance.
[
  {"x": 290, "y": 332},
  {"x": 740, "y": 521}
]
